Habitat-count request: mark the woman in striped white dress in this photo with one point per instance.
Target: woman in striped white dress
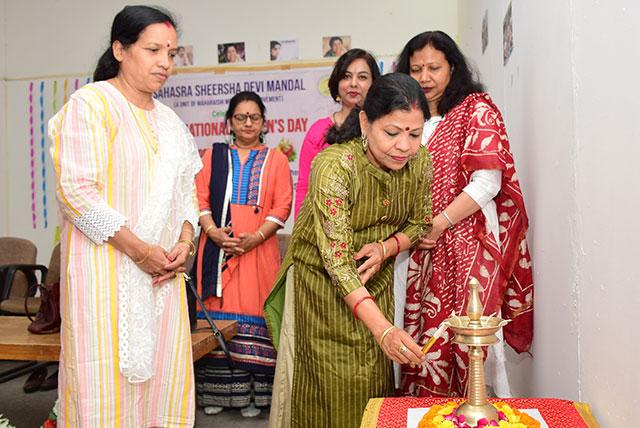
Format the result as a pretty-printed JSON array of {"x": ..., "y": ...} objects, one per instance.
[{"x": 125, "y": 166}]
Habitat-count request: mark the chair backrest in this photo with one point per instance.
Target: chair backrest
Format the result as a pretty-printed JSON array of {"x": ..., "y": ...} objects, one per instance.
[{"x": 18, "y": 251}]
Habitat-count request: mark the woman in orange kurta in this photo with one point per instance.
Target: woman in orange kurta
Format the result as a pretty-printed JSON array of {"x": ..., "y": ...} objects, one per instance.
[{"x": 244, "y": 195}]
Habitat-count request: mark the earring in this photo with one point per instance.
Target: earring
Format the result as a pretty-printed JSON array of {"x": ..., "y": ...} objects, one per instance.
[{"x": 365, "y": 143}]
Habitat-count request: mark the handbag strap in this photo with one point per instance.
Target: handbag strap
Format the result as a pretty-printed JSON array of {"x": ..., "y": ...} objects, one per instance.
[{"x": 43, "y": 290}]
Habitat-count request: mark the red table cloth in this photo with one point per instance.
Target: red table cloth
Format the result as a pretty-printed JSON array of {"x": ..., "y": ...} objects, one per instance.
[{"x": 392, "y": 412}]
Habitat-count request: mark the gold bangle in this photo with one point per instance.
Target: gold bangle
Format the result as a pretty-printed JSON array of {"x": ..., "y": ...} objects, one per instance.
[
  {"x": 144, "y": 259},
  {"x": 385, "y": 333},
  {"x": 206, "y": 231},
  {"x": 264, "y": 238},
  {"x": 190, "y": 244},
  {"x": 384, "y": 249}
]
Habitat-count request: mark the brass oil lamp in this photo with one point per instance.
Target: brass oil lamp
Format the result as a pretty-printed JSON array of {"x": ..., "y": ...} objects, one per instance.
[{"x": 476, "y": 331}]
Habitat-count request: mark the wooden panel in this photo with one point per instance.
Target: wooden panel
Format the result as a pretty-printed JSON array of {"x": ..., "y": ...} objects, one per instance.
[{"x": 16, "y": 343}]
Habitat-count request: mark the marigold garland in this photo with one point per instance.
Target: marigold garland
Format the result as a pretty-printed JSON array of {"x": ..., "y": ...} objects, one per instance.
[{"x": 443, "y": 416}]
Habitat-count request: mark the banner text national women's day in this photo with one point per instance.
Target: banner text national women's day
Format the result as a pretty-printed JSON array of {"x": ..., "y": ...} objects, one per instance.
[{"x": 294, "y": 100}]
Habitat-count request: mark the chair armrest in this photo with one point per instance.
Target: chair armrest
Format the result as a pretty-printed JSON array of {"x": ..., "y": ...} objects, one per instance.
[{"x": 8, "y": 273}]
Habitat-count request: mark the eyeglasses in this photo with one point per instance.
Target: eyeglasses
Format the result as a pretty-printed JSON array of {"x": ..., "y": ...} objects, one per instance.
[{"x": 240, "y": 117}]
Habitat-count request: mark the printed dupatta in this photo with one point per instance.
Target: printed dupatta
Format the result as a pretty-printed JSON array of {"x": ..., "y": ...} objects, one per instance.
[
  {"x": 169, "y": 204},
  {"x": 472, "y": 136},
  {"x": 220, "y": 190}
]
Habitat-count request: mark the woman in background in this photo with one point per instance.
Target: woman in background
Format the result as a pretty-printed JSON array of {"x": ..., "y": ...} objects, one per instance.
[
  {"x": 244, "y": 194},
  {"x": 336, "y": 47},
  {"x": 331, "y": 318},
  {"x": 352, "y": 75},
  {"x": 125, "y": 167},
  {"x": 231, "y": 54},
  {"x": 479, "y": 225}
]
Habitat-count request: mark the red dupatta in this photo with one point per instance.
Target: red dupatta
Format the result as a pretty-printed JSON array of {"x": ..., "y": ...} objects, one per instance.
[{"x": 472, "y": 136}]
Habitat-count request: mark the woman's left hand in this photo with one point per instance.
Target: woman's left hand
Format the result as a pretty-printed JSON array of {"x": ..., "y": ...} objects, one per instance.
[
  {"x": 248, "y": 241},
  {"x": 178, "y": 256},
  {"x": 374, "y": 254},
  {"x": 429, "y": 240}
]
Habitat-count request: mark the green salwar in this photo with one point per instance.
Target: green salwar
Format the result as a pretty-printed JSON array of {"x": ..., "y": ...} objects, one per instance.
[{"x": 338, "y": 365}]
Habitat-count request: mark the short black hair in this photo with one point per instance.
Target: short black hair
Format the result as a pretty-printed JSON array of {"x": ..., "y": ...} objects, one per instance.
[
  {"x": 340, "y": 68},
  {"x": 462, "y": 81},
  {"x": 244, "y": 96},
  {"x": 127, "y": 26},
  {"x": 275, "y": 43}
]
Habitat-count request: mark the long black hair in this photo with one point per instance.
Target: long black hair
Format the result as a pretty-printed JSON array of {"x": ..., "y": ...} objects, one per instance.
[
  {"x": 391, "y": 92},
  {"x": 126, "y": 28},
  {"x": 340, "y": 68},
  {"x": 338, "y": 73},
  {"x": 462, "y": 81}
]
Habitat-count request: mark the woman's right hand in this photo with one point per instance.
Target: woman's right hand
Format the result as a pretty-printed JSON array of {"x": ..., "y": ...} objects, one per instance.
[
  {"x": 220, "y": 236},
  {"x": 398, "y": 346},
  {"x": 155, "y": 258}
]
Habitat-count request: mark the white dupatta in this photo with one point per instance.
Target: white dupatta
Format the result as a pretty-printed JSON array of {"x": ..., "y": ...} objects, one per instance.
[{"x": 171, "y": 202}]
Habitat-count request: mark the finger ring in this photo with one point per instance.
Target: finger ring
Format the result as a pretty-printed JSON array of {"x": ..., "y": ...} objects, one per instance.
[{"x": 403, "y": 348}]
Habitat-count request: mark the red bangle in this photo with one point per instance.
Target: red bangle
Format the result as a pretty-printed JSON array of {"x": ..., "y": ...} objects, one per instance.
[
  {"x": 355, "y": 307},
  {"x": 395, "y": 238}
]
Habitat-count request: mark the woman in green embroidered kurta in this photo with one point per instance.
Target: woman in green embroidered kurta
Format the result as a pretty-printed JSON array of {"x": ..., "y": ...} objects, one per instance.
[{"x": 366, "y": 202}]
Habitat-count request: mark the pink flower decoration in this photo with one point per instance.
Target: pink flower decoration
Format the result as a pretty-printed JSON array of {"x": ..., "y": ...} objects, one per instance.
[{"x": 483, "y": 422}]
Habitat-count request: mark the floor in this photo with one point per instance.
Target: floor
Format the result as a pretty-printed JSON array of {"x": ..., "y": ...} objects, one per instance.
[{"x": 31, "y": 410}]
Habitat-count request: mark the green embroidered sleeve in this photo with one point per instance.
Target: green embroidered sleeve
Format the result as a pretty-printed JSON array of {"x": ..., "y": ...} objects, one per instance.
[{"x": 331, "y": 176}]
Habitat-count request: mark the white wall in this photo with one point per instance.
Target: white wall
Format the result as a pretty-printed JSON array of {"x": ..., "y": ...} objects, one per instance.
[
  {"x": 569, "y": 97},
  {"x": 63, "y": 40},
  {"x": 537, "y": 104},
  {"x": 606, "y": 63},
  {"x": 3, "y": 123},
  {"x": 77, "y": 32}
]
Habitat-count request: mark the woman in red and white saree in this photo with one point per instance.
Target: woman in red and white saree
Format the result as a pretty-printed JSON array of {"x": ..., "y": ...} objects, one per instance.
[{"x": 479, "y": 222}]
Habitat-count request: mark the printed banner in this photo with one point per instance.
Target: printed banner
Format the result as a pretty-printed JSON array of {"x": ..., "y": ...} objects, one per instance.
[{"x": 294, "y": 100}]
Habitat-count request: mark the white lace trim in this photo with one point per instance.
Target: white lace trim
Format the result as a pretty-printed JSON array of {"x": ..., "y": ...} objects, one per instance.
[
  {"x": 169, "y": 203},
  {"x": 100, "y": 223}
]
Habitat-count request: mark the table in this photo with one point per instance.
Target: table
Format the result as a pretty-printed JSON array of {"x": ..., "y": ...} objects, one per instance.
[
  {"x": 16, "y": 343},
  {"x": 392, "y": 412}
]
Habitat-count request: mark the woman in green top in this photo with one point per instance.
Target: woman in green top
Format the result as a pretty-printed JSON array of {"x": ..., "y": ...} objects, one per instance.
[{"x": 368, "y": 199}]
